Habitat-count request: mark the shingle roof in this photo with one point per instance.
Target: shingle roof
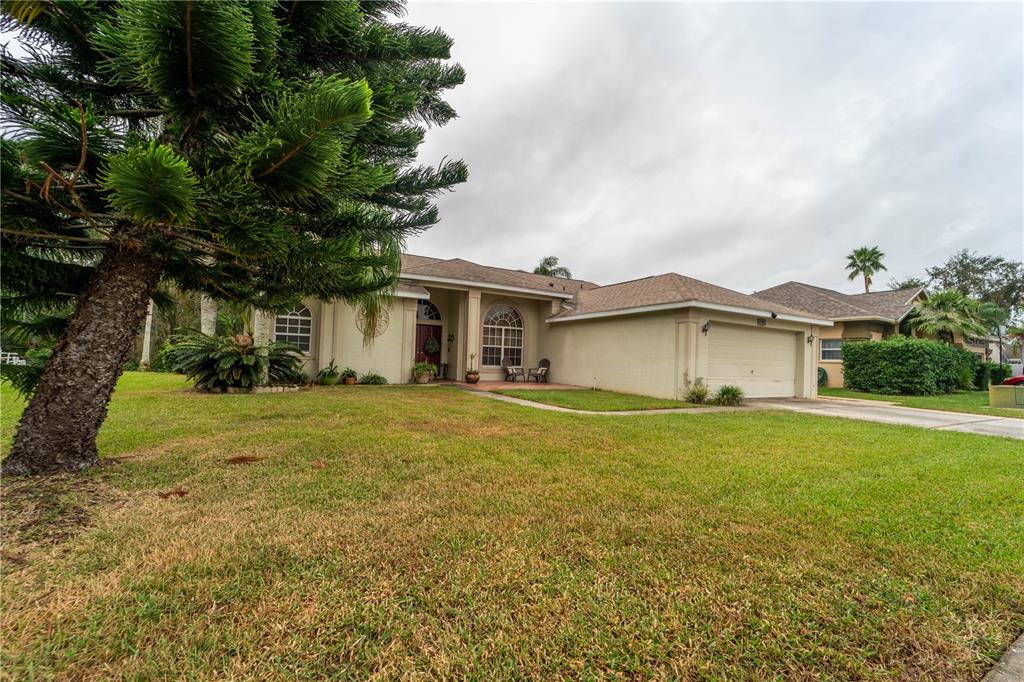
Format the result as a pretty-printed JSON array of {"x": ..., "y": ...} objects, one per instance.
[
  {"x": 412, "y": 290},
  {"x": 835, "y": 305},
  {"x": 666, "y": 289},
  {"x": 459, "y": 269}
]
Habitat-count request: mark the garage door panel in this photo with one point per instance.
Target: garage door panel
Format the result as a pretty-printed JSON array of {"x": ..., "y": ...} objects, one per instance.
[{"x": 760, "y": 361}]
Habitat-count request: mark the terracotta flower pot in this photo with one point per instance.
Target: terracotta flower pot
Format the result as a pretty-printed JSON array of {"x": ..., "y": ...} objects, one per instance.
[
  {"x": 472, "y": 377},
  {"x": 349, "y": 381}
]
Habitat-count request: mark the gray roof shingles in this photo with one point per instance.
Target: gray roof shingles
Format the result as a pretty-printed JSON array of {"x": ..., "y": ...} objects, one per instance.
[
  {"x": 592, "y": 298},
  {"x": 835, "y": 305}
]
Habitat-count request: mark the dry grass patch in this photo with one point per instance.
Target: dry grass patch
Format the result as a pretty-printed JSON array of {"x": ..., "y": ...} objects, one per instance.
[{"x": 390, "y": 532}]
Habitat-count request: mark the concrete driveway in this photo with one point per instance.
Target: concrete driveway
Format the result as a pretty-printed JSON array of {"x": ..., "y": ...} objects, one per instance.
[{"x": 910, "y": 416}]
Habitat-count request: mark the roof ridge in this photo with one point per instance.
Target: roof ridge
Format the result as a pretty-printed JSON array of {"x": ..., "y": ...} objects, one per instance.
[{"x": 520, "y": 272}]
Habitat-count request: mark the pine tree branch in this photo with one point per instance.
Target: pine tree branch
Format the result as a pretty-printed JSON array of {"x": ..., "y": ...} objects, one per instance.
[
  {"x": 188, "y": 47},
  {"x": 50, "y": 237}
]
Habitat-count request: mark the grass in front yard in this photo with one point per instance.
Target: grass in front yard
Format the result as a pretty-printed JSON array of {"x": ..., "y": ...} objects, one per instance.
[
  {"x": 971, "y": 402},
  {"x": 594, "y": 400},
  {"x": 380, "y": 532}
]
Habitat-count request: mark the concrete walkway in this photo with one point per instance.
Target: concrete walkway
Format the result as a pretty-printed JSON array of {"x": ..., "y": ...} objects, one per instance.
[
  {"x": 911, "y": 416},
  {"x": 617, "y": 413},
  {"x": 1011, "y": 667}
]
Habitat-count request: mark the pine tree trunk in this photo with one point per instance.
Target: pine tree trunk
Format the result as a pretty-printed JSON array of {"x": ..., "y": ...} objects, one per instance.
[{"x": 58, "y": 430}]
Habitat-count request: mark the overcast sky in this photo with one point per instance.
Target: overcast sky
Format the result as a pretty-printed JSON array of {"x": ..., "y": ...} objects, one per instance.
[{"x": 745, "y": 145}]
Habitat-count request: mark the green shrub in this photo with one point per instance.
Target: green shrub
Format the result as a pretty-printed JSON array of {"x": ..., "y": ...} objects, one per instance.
[
  {"x": 983, "y": 375},
  {"x": 348, "y": 373},
  {"x": 729, "y": 395},
  {"x": 999, "y": 373},
  {"x": 231, "y": 362},
  {"x": 697, "y": 393},
  {"x": 371, "y": 378},
  {"x": 902, "y": 365}
]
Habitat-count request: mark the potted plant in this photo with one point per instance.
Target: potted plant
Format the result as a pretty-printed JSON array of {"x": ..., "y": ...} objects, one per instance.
[
  {"x": 423, "y": 371},
  {"x": 348, "y": 376},
  {"x": 328, "y": 376},
  {"x": 472, "y": 375}
]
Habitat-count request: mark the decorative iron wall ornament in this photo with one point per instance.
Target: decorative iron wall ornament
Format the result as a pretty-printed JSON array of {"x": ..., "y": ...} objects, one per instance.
[{"x": 382, "y": 322}]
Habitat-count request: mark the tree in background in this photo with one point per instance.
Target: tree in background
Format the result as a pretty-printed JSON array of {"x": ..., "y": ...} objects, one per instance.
[
  {"x": 908, "y": 283},
  {"x": 987, "y": 278},
  {"x": 549, "y": 266},
  {"x": 251, "y": 151},
  {"x": 946, "y": 313},
  {"x": 994, "y": 320},
  {"x": 865, "y": 262}
]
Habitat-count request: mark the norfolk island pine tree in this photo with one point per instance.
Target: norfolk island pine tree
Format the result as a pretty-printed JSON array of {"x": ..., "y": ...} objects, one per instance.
[{"x": 251, "y": 151}]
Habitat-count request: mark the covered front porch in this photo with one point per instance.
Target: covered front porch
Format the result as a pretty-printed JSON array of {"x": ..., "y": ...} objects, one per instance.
[{"x": 462, "y": 328}]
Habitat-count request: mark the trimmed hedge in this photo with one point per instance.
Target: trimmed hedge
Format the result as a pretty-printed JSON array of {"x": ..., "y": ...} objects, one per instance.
[{"x": 902, "y": 365}]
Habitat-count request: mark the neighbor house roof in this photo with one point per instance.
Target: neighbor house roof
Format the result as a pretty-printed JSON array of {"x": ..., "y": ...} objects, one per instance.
[
  {"x": 891, "y": 305},
  {"x": 456, "y": 270},
  {"x": 669, "y": 291}
]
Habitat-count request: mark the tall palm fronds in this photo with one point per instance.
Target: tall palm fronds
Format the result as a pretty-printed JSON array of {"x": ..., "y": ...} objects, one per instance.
[{"x": 865, "y": 262}]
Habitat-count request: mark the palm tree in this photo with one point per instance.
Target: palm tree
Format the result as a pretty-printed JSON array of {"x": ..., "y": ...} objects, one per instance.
[
  {"x": 549, "y": 266},
  {"x": 946, "y": 314},
  {"x": 865, "y": 261}
]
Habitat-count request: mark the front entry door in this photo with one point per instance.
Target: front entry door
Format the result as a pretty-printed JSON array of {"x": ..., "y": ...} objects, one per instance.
[{"x": 423, "y": 333}]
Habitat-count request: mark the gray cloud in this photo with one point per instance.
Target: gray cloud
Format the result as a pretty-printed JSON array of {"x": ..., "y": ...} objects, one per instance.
[{"x": 741, "y": 144}]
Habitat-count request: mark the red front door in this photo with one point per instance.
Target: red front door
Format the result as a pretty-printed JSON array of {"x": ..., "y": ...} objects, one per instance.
[{"x": 423, "y": 333}]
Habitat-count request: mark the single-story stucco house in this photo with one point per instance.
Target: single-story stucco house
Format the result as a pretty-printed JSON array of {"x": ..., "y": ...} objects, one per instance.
[
  {"x": 652, "y": 336},
  {"x": 859, "y": 317}
]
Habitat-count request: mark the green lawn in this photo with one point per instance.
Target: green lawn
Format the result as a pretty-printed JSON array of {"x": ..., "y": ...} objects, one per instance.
[
  {"x": 973, "y": 402},
  {"x": 392, "y": 531},
  {"x": 593, "y": 401}
]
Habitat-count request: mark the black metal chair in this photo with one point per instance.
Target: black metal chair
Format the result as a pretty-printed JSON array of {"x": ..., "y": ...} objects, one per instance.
[{"x": 540, "y": 373}]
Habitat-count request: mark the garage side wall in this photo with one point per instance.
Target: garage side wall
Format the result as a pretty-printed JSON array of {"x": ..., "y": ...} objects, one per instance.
[
  {"x": 660, "y": 354},
  {"x": 632, "y": 354}
]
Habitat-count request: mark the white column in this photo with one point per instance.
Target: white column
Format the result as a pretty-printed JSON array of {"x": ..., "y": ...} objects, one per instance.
[
  {"x": 325, "y": 349},
  {"x": 207, "y": 315},
  {"x": 147, "y": 337},
  {"x": 473, "y": 329}
]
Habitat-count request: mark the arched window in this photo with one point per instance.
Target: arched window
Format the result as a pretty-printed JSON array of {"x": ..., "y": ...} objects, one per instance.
[
  {"x": 425, "y": 310},
  {"x": 503, "y": 336},
  {"x": 295, "y": 326}
]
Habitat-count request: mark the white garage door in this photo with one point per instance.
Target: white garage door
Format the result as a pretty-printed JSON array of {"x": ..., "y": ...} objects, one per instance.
[{"x": 760, "y": 361}]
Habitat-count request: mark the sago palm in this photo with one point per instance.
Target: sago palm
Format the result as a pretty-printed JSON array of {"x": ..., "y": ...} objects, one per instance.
[{"x": 946, "y": 314}]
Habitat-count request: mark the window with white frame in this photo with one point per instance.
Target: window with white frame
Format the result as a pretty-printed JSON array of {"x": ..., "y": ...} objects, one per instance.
[
  {"x": 502, "y": 337},
  {"x": 295, "y": 326},
  {"x": 831, "y": 349},
  {"x": 427, "y": 311}
]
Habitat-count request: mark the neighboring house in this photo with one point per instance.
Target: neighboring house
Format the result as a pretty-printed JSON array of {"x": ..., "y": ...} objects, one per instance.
[
  {"x": 858, "y": 317},
  {"x": 652, "y": 336}
]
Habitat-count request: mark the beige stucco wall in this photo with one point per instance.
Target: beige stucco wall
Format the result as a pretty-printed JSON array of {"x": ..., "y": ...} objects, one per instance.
[
  {"x": 632, "y": 354},
  {"x": 339, "y": 339},
  {"x": 656, "y": 354},
  {"x": 834, "y": 368},
  {"x": 529, "y": 309}
]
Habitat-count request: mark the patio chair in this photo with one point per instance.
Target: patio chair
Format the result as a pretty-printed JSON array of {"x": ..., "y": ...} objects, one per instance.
[
  {"x": 511, "y": 372},
  {"x": 540, "y": 373}
]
